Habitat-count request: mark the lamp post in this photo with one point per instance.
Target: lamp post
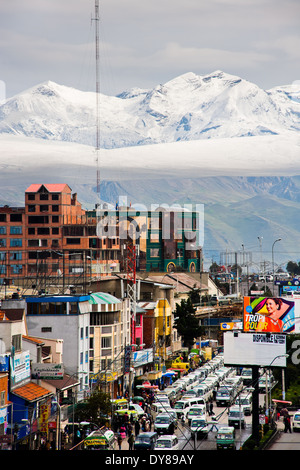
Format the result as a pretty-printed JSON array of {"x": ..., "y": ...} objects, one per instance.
[{"x": 273, "y": 268}]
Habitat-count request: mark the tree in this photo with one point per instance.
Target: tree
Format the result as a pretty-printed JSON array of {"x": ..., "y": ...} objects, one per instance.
[
  {"x": 293, "y": 268},
  {"x": 95, "y": 410},
  {"x": 186, "y": 322}
]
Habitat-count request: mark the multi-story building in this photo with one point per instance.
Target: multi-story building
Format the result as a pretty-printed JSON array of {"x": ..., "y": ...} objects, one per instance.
[
  {"x": 53, "y": 243},
  {"x": 165, "y": 239}
]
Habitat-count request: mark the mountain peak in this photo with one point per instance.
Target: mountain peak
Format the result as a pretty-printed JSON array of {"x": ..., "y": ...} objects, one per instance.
[{"x": 188, "y": 107}]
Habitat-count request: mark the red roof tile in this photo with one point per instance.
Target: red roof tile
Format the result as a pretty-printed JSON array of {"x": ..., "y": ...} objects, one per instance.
[{"x": 31, "y": 391}]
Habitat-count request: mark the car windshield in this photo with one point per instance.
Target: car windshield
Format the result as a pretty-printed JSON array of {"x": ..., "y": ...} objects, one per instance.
[
  {"x": 178, "y": 406},
  {"x": 242, "y": 401},
  {"x": 198, "y": 422},
  {"x": 224, "y": 435},
  {"x": 164, "y": 443},
  {"x": 297, "y": 417},
  {"x": 234, "y": 414},
  {"x": 142, "y": 438},
  {"x": 162, "y": 419}
]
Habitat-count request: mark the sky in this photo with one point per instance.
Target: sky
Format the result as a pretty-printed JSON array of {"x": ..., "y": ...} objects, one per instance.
[{"x": 146, "y": 43}]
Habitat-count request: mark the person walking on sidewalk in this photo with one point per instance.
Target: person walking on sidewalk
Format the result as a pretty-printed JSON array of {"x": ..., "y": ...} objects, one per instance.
[{"x": 131, "y": 441}]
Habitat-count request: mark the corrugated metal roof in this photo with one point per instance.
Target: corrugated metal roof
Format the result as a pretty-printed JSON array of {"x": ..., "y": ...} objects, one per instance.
[
  {"x": 103, "y": 298},
  {"x": 31, "y": 392}
]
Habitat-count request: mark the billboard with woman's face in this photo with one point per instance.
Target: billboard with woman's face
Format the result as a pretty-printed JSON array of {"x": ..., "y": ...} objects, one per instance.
[{"x": 269, "y": 315}]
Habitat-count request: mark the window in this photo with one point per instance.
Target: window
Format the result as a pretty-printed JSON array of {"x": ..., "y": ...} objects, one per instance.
[
  {"x": 44, "y": 208},
  {"x": 154, "y": 252},
  {"x": 2, "y": 217},
  {"x": 73, "y": 241},
  {"x": 31, "y": 231},
  {"x": 16, "y": 268},
  {"x": 55, "y": 208},
  {"x": 105, "y": 342},
  {"x": 43, "y": 231},
  {"x": 44, "y": 197},
  {"x": 38, "y": 219},
  {"x": 2, "y": 242},
  {"x": 55, "y": 197},
  {"x": 55, "y": 231},
  {"x": 16, "y": 242},
  {"x": 2, "y": 230},
  {"x": 16, "y": 217},
  {"x": 15, "y": 230},
  {"x": 31, "y": 197},
  {"x": 15, "y": 255},
  {"x": 46, "y": 329},
  {"x": 16, "y": 342},
  {"x": 31, "y": 208},
  {"x": 55, "y": 219}
]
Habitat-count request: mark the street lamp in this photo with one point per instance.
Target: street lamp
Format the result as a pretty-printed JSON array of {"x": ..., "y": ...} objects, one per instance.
[{"x": 278, "y": 240}]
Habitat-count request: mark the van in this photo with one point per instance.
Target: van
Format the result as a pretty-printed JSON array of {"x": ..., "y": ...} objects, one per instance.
[
  {"x": 199, "y": 427},
  {"x": 225, "y": 438},
  {"x": 296, "y": 421},
  {"x": 245, "y": 401},
  {"x": 236, "y": 417},
  {"x": 196, "y": 411},
  {"x": 182, "y": 407},
  {"x": 157, "y": 408},
  {"x": 224, "y": 396},
  {"x": 145, "y": 441},
  {"x": 99, "y": 440},
  {"x": 167, "y": 442},
  {"x": 164, "y": 423}
]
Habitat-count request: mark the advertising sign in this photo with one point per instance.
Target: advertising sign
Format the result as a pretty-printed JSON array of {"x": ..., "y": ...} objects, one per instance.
[
  {"x": 20, "y": 368},
  {"x": 269, "y": 315},
  {"x": 47, "y": 371},
  {"x": 254, "y": 349},
  {"x": 238, "y": 325}
]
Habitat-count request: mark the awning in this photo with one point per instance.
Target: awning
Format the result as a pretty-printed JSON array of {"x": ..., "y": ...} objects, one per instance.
[{"x": 31, "y": 392}]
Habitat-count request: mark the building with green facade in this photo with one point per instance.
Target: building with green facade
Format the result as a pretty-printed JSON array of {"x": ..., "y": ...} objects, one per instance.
[{"x": 165, "y": 239}]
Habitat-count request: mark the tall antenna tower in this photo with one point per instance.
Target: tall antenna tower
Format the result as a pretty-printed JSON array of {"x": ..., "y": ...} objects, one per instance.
[{"x": 97, "y": 21}]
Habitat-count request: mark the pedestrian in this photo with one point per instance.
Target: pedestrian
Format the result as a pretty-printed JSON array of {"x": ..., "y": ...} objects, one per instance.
[
  {"x": 120, "y": 441},
  {"x": 131, "y": 441},
  {"x": 287, "y": 424},
  {"x": 137, "y": 427},
  {"x": 211, "y": 407}
]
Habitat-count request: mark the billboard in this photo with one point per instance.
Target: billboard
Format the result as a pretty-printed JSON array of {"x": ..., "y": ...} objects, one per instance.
[
  {"x": 47, "y": 371},
  {"x": 269, "y": 315},
  {"x": 254, "y": 349}
]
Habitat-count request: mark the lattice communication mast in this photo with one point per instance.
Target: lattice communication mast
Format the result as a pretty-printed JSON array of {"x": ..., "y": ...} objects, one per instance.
[{"x": 131, "y": 285}]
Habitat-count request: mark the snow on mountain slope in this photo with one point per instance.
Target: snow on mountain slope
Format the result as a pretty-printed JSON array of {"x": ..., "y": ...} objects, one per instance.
[{"x": 189, "y": 107}]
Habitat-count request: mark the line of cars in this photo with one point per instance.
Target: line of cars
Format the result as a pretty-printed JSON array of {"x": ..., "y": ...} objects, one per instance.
[{"x": 190, "y": 395}]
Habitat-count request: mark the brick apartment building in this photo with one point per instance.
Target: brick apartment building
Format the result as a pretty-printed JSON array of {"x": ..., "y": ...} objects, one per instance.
[{"x": 53, "y": 242}]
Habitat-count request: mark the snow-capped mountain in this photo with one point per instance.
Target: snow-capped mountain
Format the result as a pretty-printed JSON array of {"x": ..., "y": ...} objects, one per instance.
[
  {"x": 219, "y": 140},
  {"x": 189, "y": 107}
]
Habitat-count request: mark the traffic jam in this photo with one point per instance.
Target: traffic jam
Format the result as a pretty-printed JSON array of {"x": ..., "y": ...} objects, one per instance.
[{"x": 210, "y": 403}]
